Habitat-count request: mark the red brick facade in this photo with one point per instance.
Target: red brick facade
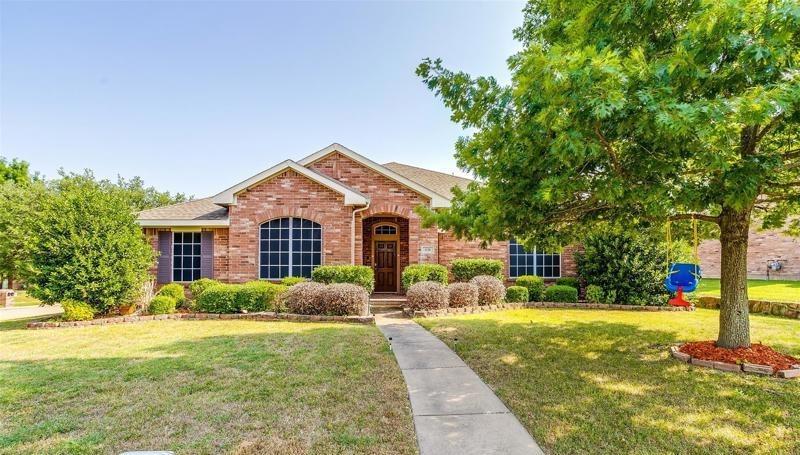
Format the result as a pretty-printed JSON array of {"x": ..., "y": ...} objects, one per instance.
[
  {"x": 762, "y": 247},
  {"x": 346, "y": 230}
]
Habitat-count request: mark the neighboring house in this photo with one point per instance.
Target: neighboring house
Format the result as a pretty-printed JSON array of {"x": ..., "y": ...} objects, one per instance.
[
  {"x": 332, "y": 207},
  {"x": 763, "y": 249}
]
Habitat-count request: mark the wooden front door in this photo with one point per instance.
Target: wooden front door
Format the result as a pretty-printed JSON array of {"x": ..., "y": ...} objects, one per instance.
[{"x": 385, "y": 266}]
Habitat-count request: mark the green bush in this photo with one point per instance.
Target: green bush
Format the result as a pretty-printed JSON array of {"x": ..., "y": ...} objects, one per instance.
[
  {"x": 609, "y": 297},
  {"x": 570, "y": 281},
  {"x": 467, "y": 269},
  {"x": 594, "y": 293},
  {"x": 560, "y": 293},
  {"x": 162, "y": 304},
  {"x": 258, "y": 296},
  {"x": 292, "y": 280},
  {"x": 77, "y": 311},
  {"x": 423, "y": 272},
  {"x": 353, "y": 274},
  {"x": 175, "y": 291},
  {"x": 199, "y": 286},
  {"x": 219, "y": 299},
  {"x": 535, "y": 286},
  {"x": 517, "y": 294},
  {"x": 627, "y": 263}
]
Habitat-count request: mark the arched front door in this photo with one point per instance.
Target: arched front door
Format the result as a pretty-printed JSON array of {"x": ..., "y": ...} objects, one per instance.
[{"x": 385, "y": 245}]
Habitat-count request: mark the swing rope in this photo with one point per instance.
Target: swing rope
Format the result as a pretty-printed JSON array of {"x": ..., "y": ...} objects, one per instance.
[{"x": 695, "y": 244}]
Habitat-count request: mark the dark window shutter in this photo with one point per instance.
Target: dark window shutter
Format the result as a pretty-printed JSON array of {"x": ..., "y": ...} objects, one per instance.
[
  {"x": 164, "y": 274},
  {"x": 207, "y": 254}
]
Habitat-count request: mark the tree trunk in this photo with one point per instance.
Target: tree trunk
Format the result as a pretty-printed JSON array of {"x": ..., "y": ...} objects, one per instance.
[{"x": 734, "y": 318}]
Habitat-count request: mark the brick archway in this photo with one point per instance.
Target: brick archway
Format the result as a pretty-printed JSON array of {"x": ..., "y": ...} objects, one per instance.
[{"x": 369, "y": 239}]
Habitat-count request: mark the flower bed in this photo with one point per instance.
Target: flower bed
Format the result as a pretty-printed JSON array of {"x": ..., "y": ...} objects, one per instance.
[
  {"x": 262, "y": 316},
  {"x": 516, "y": 306},
  {"x": 757, "y": 359}
]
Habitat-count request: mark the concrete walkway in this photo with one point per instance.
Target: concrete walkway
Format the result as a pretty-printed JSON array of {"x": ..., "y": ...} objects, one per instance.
[
  {"x": 22, "y": 312},
  {"x": 455, "y": 412}
]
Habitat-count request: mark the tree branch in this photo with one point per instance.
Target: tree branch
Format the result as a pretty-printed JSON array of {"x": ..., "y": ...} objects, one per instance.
[
  {"x": 609, "y": 149},
  {"x": 695, "y": 216},
  {"x": 774, "y": 122}
]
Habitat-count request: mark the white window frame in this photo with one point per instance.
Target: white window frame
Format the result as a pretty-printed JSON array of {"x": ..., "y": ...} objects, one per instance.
[
  {"x": 193, "y": 256},
  {"x": 535, "y": 254},
  {"x": 290, "y": 250}
]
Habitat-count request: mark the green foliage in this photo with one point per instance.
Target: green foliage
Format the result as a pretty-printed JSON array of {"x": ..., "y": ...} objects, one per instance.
[
  {"x": 467, "y": 269},
  {"x": 140, "y": 197},
  {"x": 197, "y": 287},
  {"x": 174, "y": 291},
  {"x": 631, "y": 265},
  {"x": 559, "y": 293},
  {"x": 594, "y": 293},
  {"x": 84, "y": 244},
  {"x": 292, "y": 280},
  {"x": 258, "y": 296},
  {"x": 570, "y": 281},
  {"x": 534, "y": 285},
  {"x": 162, "y": 304},
  {"x": 77, "y": 311},
  {"x": 15, "y": 171},
  {"x": 517, "y": 294},
  {"x": 609, "y": 297},
  {"x": 353, "y": 274},
  {"x": 18, "y": 204},
  {"x": 416, "y": 273},
  {"x": 219, "y": 299}
]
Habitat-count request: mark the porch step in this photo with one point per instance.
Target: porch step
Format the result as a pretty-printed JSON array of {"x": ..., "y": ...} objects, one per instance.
[{"x": 387, "y": 302}]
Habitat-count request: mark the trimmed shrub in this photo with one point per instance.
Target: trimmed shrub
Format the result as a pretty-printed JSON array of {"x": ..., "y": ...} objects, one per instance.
[
  {"x": 560, "y": 293},
  {"x": 292, "y": 280},
  {"x": 162, "y": 304},
  {"x": 467, "y": 269},
  {"x": 219, "y": 299},
  {"x": 594, "y": 293},
  {"x": 517, "y": 294},
  {"x": 427, "y": 295},
  {"x": 77, "y": 311},
  {"x": 570, "y": 281},
  {"x": 353, "y": 274},
  {"x": 609, "y": 297},
  {"x": 342, "y": 299},
  {"x": 199, "y": 286},
  {"x": 462, "y": 295},
  {"x": 490, "y": 289},
  {"x": 258, "y": 296},
  {"x": 304, "y": 298},
  {"x": 174, "y": 291},
  {"x": 628, "y": 263},
  {"x": 534, "y": 285},
  {"x": 417, "y": 273}
]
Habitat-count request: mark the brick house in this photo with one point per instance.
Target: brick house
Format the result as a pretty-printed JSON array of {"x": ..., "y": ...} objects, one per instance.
[
  {"x": 763, "y": 248},
  {"x": 332, "y": 207}
]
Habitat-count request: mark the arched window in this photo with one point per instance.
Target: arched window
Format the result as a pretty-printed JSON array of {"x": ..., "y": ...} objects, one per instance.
[
  {"x": 289, "y": 247},
  {"x": 385, "y": 229}
]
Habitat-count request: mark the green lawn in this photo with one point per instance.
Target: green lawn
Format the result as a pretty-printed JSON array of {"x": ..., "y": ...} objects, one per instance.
[
  {"x": 774, "y": 290},
  {"x": 23, "y": 299},
  {"x": 588, "y": 381},
  {"x": 202, "y": 387}
]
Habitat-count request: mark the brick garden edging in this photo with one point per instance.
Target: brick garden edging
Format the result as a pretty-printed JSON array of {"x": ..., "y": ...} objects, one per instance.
[
  {"x": 517, "y": 306},
  {"x": 265, "y": 316},
  {"x": 789, "y": 310},
  {"x": 764, "y": 370}
]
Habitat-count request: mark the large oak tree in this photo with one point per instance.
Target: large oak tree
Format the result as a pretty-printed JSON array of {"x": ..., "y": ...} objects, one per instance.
[{"x": 636, "y": 111}]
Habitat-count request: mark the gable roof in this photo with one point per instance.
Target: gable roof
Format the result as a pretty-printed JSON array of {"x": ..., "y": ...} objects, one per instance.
[
  {"x": 200, "y": 212},
  {"x": 440, "y": 182},
  {"x": 351, "y": 196},
  {"x": 437, "y": 199}
]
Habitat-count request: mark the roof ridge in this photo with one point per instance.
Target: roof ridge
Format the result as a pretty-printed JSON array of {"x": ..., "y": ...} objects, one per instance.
[
  {"x": 175, "y": 204},
  {"x": 429, "y": 170}
]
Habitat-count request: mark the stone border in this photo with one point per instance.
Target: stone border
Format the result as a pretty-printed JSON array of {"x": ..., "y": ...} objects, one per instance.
[
  {"x": 764, "y": 370},
  {"x": 785, "y": 309},
  {"x": 517, "y": 306},
  {"x": 263, "y": 316}
]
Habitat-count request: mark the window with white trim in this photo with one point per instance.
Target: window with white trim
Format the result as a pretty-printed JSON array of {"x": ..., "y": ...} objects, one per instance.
[
  {"x": 289, "y": 247},
  {"x": 185, "y": 256},
  {"x": 522, "y": 262}
]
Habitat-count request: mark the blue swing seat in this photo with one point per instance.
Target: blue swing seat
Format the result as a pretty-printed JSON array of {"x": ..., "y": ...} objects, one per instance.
[{"x": 682, "y": 275}]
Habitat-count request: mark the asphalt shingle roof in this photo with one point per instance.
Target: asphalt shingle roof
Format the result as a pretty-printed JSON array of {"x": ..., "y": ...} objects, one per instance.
[
  {"x": 439, "y": 182},
  {"x": 198, "y": 209}
]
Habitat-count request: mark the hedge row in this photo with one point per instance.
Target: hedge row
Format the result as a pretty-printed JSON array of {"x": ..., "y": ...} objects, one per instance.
[
  {"x": 337, "y": 299},
  {"x": 417, "y": 273},
  {"x": 431, "y": 295},
  {"x": 467, "y": 269},
  {"x": 360, "y": 275},
  {"x": 235, "y": 298}
]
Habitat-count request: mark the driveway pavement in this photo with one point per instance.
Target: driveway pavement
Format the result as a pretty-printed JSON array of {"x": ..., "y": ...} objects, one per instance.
[
  {"x": 22, "y": 312},
  {"x": 454, "y": 411}
]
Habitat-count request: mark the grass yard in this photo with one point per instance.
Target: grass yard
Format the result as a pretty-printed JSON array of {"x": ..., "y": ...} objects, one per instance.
[
  {"x": 588, "y": 381},
  {"x": 202, "y": 387},
  {"x": 23, "y": 299},
  {"x": 773, "y": 290}
]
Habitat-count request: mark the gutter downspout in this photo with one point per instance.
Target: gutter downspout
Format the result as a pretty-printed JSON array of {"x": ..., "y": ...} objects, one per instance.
[{"x": 353, "y": 233}]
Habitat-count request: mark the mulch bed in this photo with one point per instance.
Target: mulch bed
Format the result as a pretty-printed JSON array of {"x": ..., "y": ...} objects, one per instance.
[{"x": 756, "y": 353}]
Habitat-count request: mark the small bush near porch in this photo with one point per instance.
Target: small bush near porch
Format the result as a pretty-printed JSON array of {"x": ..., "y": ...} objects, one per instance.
[
  {"x": 202, "y": 387},
  {"x": 588, "y": 381}
]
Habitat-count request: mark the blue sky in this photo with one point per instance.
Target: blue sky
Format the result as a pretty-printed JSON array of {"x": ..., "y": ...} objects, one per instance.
[{"x": 196, "y": 96}]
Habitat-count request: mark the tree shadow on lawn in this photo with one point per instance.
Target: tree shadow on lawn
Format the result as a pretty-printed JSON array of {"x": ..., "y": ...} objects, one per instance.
[
  {"x": 605, "y": 387},
  {"x": 319, "y": 390}
]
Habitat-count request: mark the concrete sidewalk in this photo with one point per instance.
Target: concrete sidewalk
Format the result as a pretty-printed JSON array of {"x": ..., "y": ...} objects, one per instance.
[
  {"x": 22, "y": 312},
  {"x": 455, "y": 412}
]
